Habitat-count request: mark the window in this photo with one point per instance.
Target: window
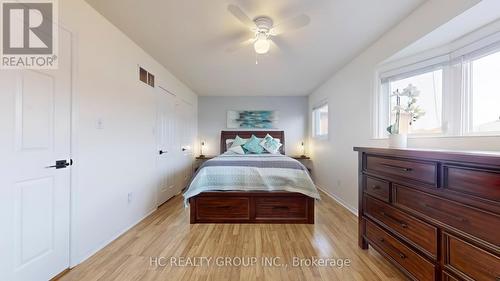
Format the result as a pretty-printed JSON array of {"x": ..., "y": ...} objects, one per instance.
[
  {"x": 430, "y": 100},
  {"x": 485, "y": 96},
  {"x": 458, "y": 91},
  {"x": 320, "y": 121}
]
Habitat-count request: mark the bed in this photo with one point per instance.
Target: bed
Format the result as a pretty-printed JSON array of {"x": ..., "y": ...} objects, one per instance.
[{"x": 251, "y": 188}]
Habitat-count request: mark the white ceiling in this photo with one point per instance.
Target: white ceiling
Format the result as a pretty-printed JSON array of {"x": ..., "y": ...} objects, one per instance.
[
  {"x": 189, "y": 37},
  {"x": 479, "y": 15}
]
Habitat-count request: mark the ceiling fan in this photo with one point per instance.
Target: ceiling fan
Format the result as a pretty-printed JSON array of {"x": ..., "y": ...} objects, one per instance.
[{"x": 264, "y": 29}]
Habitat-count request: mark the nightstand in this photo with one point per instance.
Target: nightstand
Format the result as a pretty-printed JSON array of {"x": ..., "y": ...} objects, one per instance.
[
  {"x": 199, "y": 161},
  {"x": 306, "y": 161}
]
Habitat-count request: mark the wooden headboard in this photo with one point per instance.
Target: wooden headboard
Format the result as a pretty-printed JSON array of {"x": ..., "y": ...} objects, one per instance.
[{"x": 224, "y": 135}]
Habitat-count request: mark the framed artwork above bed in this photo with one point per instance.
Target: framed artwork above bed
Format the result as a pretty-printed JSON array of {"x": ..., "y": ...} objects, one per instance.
[{"x": 252, "y": 119}]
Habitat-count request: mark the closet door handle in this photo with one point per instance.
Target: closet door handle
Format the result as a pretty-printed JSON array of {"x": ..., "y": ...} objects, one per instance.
[{"x": 61, "y": 164}]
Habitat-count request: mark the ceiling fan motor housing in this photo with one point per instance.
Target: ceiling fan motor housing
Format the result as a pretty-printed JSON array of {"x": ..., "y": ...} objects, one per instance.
[{"x": 263, "y": 23}]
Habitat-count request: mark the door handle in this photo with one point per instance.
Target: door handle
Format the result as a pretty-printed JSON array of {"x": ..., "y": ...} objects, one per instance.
[
  {"x": 61, "y": 164},
  {"x": 183, "y": 149},
  {"x": 162, "y": 152}
]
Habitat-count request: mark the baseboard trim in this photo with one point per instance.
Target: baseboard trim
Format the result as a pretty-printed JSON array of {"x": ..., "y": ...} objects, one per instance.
[
  {"x": 103, "y": 245},
  {"x": 60, "y": 275},
  {"x": 337, "y": 199}
]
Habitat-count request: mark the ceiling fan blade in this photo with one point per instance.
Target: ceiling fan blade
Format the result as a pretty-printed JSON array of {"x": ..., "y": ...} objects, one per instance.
[
  {"x": 275, "y": 48},
  {"x": 279, "y": 44},
  {"x": 240, "y": 15},
  {"x": 291, "y": 24},
  {"x": 240, "y": 45}
]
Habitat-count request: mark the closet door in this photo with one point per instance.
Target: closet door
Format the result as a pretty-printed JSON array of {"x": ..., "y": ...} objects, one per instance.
[
  {"x": 166, "y": 140},
  {"x": 185, "y": 117}
]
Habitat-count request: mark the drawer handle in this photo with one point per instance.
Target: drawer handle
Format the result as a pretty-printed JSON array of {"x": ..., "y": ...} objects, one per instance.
[
  {"x": 223, "y": 207},
  {"x": 404, "y": 169},
  {"x": 376, "y": 187},
  {"x": 402, "y": 223},
  {"x": 401, "y": 255},
  {"x": 280, "y": 207},
  {"x": 453, "y": 216}
]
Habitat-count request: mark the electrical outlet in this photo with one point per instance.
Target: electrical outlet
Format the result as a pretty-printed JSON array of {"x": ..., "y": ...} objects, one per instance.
[{"x": 129, "y": 197}]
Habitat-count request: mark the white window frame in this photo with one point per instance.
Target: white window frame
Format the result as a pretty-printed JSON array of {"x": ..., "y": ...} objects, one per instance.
[
  {"x": 467, "y": 99},
  {"x": 457, "y": 93},
  {"x": 315, "y": 120},
  {"x": 384, "y": 119}
]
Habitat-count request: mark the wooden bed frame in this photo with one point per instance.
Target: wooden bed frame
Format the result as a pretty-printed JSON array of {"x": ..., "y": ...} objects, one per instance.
[{"x": 251, "y": 206}]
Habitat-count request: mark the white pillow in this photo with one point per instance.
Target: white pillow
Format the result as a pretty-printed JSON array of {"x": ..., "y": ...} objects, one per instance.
[
  {"x": 271, "y": 144},
  {"x": 237, "y": 149}
]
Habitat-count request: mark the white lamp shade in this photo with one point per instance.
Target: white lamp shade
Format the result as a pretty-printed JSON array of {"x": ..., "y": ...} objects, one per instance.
[{"x": 261, "y": 46}]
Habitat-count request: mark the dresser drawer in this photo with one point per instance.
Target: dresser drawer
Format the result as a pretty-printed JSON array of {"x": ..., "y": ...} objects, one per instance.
[
  {"x": 448, "y": 277},
  {"x": 291, "y": 208},
  {"x": 419, "y": 171},
  {"x": 423, "y": 235},
  {"x": 377, "y": 188},
  {"x": 469, "y": 260},
  {"x": 222, "y": 208},
  {"x": 471, "y": 220},
  {"x": 481, "y": 183},
  {"x": 417, "y": 266}
]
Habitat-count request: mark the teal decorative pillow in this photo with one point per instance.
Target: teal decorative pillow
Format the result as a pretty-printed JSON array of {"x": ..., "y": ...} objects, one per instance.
[
  {"x": 229, "y": 142},
  {"x": 270, "y": 144},
  {"x": 253, "y": 145},
  {"x": 238, "y": 141},
  {"x": 236, "y": 145}
]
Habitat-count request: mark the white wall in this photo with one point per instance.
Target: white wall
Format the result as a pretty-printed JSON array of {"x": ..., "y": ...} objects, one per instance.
[
  {"x": 119, "y": 158},
  {"x": 350, "y": 91},
  {"x": 292, "y": 118}
]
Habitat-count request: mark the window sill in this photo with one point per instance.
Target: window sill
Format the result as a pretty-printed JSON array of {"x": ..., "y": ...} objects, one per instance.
[{"x": 445, "y": 137}]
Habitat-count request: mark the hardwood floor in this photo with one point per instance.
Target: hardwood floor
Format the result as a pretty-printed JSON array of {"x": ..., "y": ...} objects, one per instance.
[{"x": 167, "y": 233}]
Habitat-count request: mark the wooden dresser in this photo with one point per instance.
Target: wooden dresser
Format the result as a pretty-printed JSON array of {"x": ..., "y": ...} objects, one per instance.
[{"x": 434, "y": 214}]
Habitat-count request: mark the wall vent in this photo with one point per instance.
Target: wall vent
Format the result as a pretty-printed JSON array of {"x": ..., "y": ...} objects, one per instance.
[{"x": 146, "y": 77}]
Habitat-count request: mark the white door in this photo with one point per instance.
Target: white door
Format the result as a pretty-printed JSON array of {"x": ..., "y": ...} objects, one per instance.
[
  {"x": 186, "y": 133},
  {"x": 166, "y": 145},
  {"x": 35, "y": 111}
]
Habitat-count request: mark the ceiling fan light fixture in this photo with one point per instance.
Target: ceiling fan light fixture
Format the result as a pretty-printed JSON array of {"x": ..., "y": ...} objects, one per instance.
[
  {"x": 264, "y": 29},
  {"x": 261, "y": 44}
]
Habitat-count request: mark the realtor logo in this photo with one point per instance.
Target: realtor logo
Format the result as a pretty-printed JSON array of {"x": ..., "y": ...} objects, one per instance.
[{"x": 29, "y": 34}]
